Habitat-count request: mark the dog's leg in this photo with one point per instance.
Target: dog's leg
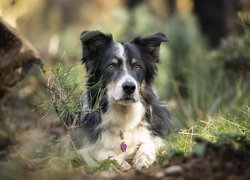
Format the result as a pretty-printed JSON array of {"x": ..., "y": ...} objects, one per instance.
[
  {"x": 123, "y": 164},
  {"x": 146, "y": 154}
]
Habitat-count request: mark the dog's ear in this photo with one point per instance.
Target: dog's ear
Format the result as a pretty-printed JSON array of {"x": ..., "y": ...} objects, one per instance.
[
  {"x": 93, "y": 44},
  {"x": 149, "y": 48},
  {"x": 150, "y": 45}
]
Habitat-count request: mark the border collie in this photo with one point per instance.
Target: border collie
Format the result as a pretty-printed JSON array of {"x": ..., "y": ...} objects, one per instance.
[{"x": 131, "y": 122}]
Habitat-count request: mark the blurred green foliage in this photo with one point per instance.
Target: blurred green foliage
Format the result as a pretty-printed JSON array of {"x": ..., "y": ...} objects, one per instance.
[
  {"x": 195, "y": 80},
  {"x": 233, "y": 52}
]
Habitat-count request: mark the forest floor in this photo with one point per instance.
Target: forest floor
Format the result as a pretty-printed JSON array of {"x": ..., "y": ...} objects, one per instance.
[{"x": 36, "y": 148}]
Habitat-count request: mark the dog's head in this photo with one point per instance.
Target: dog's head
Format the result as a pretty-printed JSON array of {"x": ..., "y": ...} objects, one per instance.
[{"x": 123, "y": 69}]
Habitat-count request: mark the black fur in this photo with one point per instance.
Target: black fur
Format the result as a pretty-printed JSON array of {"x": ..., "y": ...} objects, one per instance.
[
  {"x": 98, "y": 51},
  {"x": 149, "y": 50},
  {"x": 156, "y": 114}
]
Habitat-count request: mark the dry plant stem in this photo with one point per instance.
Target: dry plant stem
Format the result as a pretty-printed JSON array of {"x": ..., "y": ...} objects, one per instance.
[
  {"x": 61, "y": 98},
  {"x": 57, "y": 95}
]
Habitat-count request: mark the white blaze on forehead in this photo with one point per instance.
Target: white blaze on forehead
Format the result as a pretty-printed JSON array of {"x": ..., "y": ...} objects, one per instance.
[
  {"x": 122, "y": 55},
  {"x": 120, "y": 51}
]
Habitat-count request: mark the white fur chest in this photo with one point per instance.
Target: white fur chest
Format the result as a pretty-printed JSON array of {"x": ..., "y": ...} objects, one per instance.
[
  {"x": 127, "y": 120},
  {"x": 133, "y": 138},
  {"x": 141, "y": 144}
]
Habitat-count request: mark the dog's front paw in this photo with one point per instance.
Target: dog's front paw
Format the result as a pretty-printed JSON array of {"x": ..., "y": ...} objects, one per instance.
[
  {"x": 125, "y": 166},
  {"x": 143, "y": 160}
]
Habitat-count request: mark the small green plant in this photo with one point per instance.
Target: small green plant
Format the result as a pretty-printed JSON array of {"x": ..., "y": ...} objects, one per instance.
[
  {"x": 218, "y": 129},
  {"x": 65, "y": 90},
  {"x": 211, "y": 130},
  {"x": 66, "y": 87}
]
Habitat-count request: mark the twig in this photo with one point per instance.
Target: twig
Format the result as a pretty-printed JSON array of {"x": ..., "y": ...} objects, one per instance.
[{"x": 56, "y": 94}]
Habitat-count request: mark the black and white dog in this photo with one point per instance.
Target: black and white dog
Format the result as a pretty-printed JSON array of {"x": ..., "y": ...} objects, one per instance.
[{"x": 131, "y": 122}]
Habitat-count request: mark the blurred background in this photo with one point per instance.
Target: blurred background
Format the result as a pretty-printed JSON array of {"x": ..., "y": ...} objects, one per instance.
[
  {"x": 204, "y": 73},
  {"x": 204, "y": 69}
]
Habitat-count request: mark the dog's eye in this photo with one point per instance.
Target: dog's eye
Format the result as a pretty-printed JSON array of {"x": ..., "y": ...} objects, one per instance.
[
  {"x": 111, "y": 67},
  {"x": 137, "y": 67}
]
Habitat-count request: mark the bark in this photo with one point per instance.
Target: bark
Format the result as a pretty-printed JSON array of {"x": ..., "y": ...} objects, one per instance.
[
  {"x": 16, "y": 58},
  {"x": 217, "y": 18},
  {"x": 171, "y": 7}
]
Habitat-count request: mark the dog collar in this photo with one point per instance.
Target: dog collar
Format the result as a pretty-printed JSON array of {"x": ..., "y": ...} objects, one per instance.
[{"x": 123, "y": 145}]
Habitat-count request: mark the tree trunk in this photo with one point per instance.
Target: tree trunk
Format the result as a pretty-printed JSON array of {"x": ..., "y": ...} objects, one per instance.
[
  {"x": 217, "y": 18},
  {"x": 16, "y": 58}
]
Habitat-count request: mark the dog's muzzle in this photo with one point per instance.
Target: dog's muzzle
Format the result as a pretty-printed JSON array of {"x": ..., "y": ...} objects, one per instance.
[
  {"x": 128, "y": 88},
  {"x": 124, "y": 92}
]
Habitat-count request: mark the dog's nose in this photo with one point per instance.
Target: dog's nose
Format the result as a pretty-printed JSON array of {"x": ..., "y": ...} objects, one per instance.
[{"x": 128, "y": 87}]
